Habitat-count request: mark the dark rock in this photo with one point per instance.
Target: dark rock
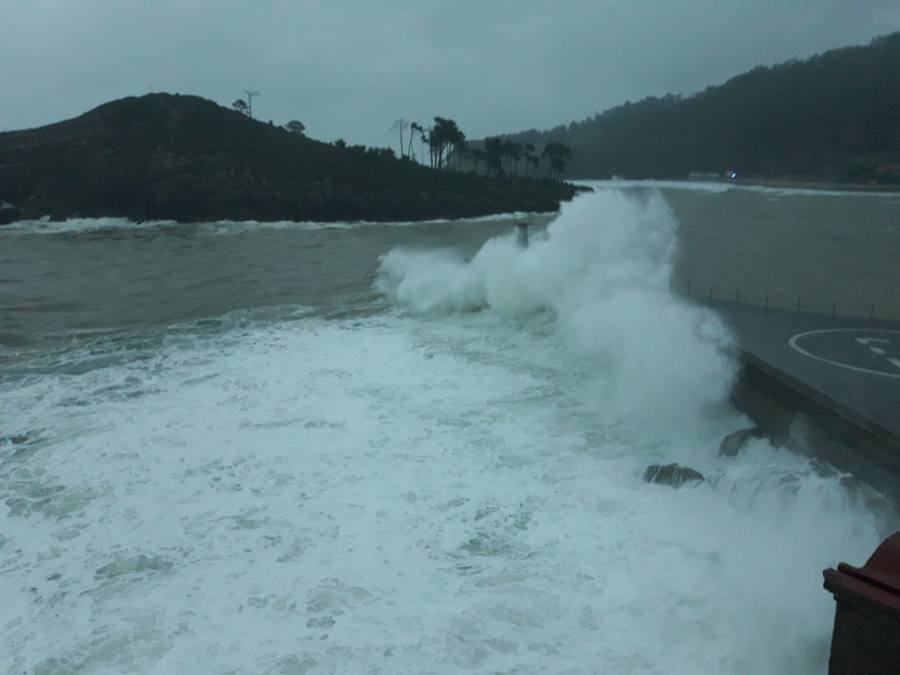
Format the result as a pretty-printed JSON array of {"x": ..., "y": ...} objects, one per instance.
[
  {"x": 671, "y": 474},
  {"x": 734, "y": 442},
  {"x": 9, "y": 213}
]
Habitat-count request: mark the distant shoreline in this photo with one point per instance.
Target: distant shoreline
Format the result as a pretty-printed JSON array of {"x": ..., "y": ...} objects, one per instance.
[{"x": 801, "y": 184}]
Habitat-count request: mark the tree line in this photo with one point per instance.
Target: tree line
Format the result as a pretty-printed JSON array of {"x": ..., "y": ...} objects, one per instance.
[
  {"x": 245, "y": 107},
  {"x": 447, "y": 147}
]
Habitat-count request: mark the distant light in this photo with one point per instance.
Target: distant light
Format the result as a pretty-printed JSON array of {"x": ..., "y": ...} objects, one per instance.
[{"x": 734, "y": 174}]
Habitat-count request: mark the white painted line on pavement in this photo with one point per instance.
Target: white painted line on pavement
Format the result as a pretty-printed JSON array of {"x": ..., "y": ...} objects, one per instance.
[{"x": 793, "y": 343}]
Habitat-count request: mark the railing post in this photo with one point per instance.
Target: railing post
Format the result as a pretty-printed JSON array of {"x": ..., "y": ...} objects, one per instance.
[
  {"x": 522, "y": 238},
  {"x": 833, "y": 308},
  {"x": 767, "y": 302},
  {"x": 711, "y": 291},
  {"x": 798, "y": 303}
]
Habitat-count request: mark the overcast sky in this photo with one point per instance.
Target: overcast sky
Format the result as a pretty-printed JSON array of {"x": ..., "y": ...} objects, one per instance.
[{"x": 348, "y": 68}]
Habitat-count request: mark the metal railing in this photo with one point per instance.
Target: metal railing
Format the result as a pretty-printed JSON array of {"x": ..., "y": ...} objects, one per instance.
[{"x": 782, "y": 301}]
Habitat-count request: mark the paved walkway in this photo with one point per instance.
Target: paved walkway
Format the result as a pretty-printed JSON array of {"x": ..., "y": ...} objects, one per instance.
[{"x": 848, "y": 366}]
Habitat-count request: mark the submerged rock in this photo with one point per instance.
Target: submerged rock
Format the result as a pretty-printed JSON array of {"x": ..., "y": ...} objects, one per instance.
[
  {"x": 134, "y": 565},
  {"x": 734, "y": 442},
  {"x": 671, "y": 474},
  {"x": 8, "y": 213}
]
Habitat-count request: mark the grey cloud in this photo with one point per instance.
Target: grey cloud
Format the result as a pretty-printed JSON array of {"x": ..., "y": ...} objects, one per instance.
[{"x": 347, "y": 68}]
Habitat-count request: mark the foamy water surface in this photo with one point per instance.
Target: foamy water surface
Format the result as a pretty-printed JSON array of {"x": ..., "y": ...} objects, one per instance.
[{"x": 449, "y": 482}]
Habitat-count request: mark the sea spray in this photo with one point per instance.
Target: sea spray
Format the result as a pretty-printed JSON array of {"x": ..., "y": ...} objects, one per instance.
[
  {"x": 604, "y": 270},
  {"x": 754, "y": 537}
]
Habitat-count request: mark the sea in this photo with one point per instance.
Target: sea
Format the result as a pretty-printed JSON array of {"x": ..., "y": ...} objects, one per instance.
[{"x": 285, "y": 448}]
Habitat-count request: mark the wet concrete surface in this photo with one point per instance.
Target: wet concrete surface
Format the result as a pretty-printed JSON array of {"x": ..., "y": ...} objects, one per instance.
[{"x": 844, "y": 366}]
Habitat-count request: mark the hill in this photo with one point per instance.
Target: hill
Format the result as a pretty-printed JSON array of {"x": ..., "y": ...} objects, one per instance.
[
  {"x": 833, "y": 117},
  {"x": 185, "y": 158}
]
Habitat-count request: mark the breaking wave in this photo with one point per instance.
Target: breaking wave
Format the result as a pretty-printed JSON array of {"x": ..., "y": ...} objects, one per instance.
[{"x": 603, "y": 269}]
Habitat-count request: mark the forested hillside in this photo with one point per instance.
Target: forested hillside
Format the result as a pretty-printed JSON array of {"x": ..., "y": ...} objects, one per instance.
[
  {"x": 163, "y": 156},
  {"x": 835, "y": 116}
]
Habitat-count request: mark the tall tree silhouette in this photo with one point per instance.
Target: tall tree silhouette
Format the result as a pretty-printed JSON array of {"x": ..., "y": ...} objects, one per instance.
[
  {"x": 414, "y": 129},
  {"x": 241, "y": 106},
  {"x": 250, "y": 96},
  {"x": 556, "y": 154},
  {"x": 532, "y": 161},
  {"x": 444, "y": 135},
  {"x": 493, "y": 155},
  {"x": 296, "y": 127},
  {"x": 513, "y": 152},
  {"x": 399, "y": 126}
]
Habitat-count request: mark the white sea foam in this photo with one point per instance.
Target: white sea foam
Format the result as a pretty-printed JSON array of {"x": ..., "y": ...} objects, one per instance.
[
  {"x": 715, "y": 187},
  {"x": 604, "y": 270},
  {"x": 76, "y": 225},
  {"x": 226, "y": 227},
  {"x": 394, "y": 495},
  {"x": 622, "y": 184},
  {"x": 431, "y": 491}
]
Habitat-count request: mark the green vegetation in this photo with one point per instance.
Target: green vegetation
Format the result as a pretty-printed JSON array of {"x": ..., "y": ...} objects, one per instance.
[
  {"x": 443, "y": 137},
  {"x": 502, "y": 157},
  {"x": 557, "y": 154},
  {"x": 185, "y": 158},
  {"x": 245, "y": 106},
  {"x": 833, "y": 117},
  {"x": 295, "y": 127}
]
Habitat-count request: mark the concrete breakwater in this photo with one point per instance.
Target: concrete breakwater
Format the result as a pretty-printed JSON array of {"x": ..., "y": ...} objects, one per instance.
[{"x": 829, "y": 387}]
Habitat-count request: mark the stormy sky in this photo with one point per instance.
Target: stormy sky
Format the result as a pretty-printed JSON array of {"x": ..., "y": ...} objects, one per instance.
[{"x": 348, "y": 68}]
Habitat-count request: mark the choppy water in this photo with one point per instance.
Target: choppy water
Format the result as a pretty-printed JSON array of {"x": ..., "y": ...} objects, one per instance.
[{"x": 369, "y": 448}]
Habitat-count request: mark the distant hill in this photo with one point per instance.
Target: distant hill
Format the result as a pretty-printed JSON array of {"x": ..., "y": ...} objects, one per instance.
[
  {"x": 163, "y": 156},
  {"x": 832, "y": 117}
]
